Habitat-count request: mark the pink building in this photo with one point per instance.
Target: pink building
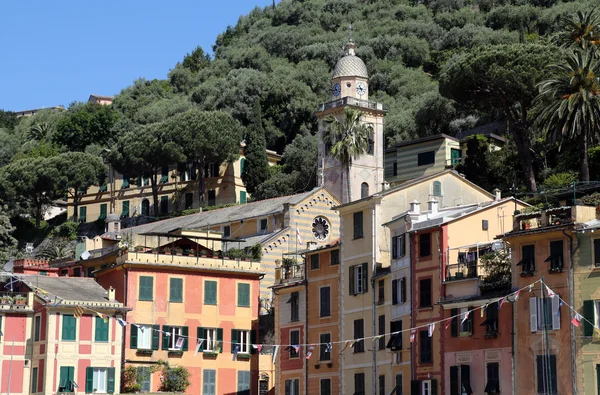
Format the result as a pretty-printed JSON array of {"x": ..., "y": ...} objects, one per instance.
[{"x": 46, "y": 348}]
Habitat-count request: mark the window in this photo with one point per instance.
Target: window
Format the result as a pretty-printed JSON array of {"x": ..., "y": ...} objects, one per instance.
[
  {"x": 325, "y": 387},
  {"x": 597, "y": 252},
  {"x": 213, "y": 339},
  {"x": 359, "y": 333},
  {"x": 242, "y": 197},
  {"x": 69, "y": 327},
  {"x": 125, "y": 209},
  {"x": 395, "y": 343},
  {"x": 34, "y": 380},
  {"x": 324, "y": 351},
  {"x": 125, "y": 183},
  {"x": 242, "y": 165},
  {"x": 556, "y": 256},
  {"x": 437, "y": 189},
  {"x": 294, "y": 308},
  {"x": 460, "y": 380},
  {"x": 292, "y": 387},
  {"x": 294, "y": 340},
  {"x": 398, "y": 385},
  {"x": 38, "y": 328},
  {"x": 314, "y": 261},
  {"x": 144, "y": 337},
  {"x": 491, "y": 320},
  {"x": 243, "y": 295},
  {"x": 101, "y": 334},
  {"x": 398, "y": 246},
  {"x": 591, "y": 313},
  {"x": 241, "y": 339},
  {"x": 358, "y": 279},
  {"x": 175, "y": 338},
  {"x": 425, "y": 245},
  {"x": 395, "y": 168},
  {"x": 189, "y": 200},
  {"x": 546, "y": 374},
  {"x": 359, "y": 384},
  {"x": 335, "y": 257},
  {"x": 466, "y": 326},
  {"x": 146, "y": 288},
  {"x": 492, "y": 385},
  {"x": 176, "y": 290},
  {"x": 544, "y": 314},
  {"x": 99, "y": 378},
  {"x": 364, "y": 190},
  {"x": 263, "y": 387},
  {"x": 399, "y": 291},
  {"x": 455, "y": 156},
  {"x": 82, "y": 214},
  {"x": 381, "y": 333},
  {"x": 382, "y": 385},
  {"x": 226, "y": 231},
  {"x": 380, "y": 292},
  {"x": 164, "y": 205},
  {"x": 143, "y": 378},
  {"x": 425, "y": 293},
  {"x": 212, "y": 197},
  {"x": 485, "y": 224},
  {"x": 102, "y": 211},
  {"x": 210, "y": 292},
  {"x": 263, "y": 225},
  {"x": 425, "y": 351},
  {"x": 358, "y": 225},
  {"x": 145, "y": 207},
  {"x": 426, "y": 158},
  {"x": 325, "y": 293},
  {"x": 66, "y": 379},
  {"x": 243, "y": 382},
  {"x": 164, "y": 175},
  {"x": 527, "y": 262},
  {"x": 209, "y": 382}
]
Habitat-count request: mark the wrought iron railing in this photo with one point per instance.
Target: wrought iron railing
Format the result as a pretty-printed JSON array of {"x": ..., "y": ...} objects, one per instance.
[{"x": 351, "y": 101}]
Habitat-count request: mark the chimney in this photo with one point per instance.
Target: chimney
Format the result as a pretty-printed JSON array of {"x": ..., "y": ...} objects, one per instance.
[
  {"x": 385, "y": 185},
  {"x": 498, "y": 194},
  {"x": 415, "y": 207},
  {"x": 111, "y": 294},
  {"x": 432, "y": 206}
]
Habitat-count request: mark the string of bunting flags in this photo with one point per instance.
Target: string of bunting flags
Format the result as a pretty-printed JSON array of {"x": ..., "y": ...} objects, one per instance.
[{"x": 344, "y": 344}]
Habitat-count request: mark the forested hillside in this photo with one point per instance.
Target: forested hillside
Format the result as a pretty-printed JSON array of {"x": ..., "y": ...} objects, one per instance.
[{"x": 440, "y": 66}]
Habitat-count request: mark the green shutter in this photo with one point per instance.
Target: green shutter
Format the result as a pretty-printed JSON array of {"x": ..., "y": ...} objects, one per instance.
[
  {"x": 165, "y": 339},
  {"x": 133, "y": 337},
  {"x": 244, "y": 295},
  {"x": 220, "y": 338},
  {"x": 82, "y": 214},
  {"x": 89, "y": 380},
  {"x": 69, "y": 329},
  {"x": 210, "y": 292},
  {"x": 454, "y": 323},
  {"x": 102, "y": 211},
  {"x": 242, "y": 165},
  {"x": 110, "y": 387},
  {"x": 200, "y": 335},
  {"x": 101, "y": 330},
  {"x": 242, "y": 197},
  {"x": 252, "y": 341},
  {"x": 176, "y": 290},
  {"x": 434, "y": 388},
  {"x": 184, "y": 333},
  {"x": 588, "y": 314},
  {"x": 234, "y": 339},
  {"x": 64, "y": 377},
  {"x": 146, "y": 287},
  {"x": 125, "y": 209},
  {"x": 155, "y": 337}
]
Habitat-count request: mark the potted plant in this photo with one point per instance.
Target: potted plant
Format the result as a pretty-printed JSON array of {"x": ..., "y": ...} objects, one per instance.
[
  {"x": 526, "y": 224},
  {"x": 177, "y": 250},
  {"x": 20, "y": 300},
  {"x": 203, "y": 253},
  {"x": 139, "y": 249},
  {"x": 6, "y": 299}
]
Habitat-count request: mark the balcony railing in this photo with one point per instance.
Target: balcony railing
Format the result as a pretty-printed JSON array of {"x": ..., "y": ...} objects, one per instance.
[
  {"x": 461, "y": 271},
  {"x": 539, "y": 219},
  {"x": 16, "y": 300},
  {"x": 289, "y": 274},
  {"x": 215, "y": 262},
  {"x": 351, "y": 101}
]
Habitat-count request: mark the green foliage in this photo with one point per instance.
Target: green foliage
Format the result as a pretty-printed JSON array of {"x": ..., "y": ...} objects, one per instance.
[
  {"x": 256, "y": 165},
  {"x": 8, "y": 243},
  {"x": 560, "y": 180},
  {"x": 197, "y": 60},
  {"x": 592, "y": 199},
  {"x": 67, "y": 230},
  {"x": 57, "y": 248},
  {"x": 176, "y": 379},
  {"x": 498, "y": 268}
]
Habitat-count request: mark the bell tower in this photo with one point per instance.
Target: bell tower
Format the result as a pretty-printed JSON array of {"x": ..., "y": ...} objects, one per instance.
[{"x": 350, "y": 89}]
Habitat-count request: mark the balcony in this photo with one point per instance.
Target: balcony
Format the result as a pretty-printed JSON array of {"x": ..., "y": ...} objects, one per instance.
[
  {"x": 351, "y": 101},
  {"x": 289, "y": 273},
  {"x": 16, "y": 301},
  {"x": 532, "y": 218},
  {"x": 461, "y": 271},
  {"x": 216, "y": 262}
]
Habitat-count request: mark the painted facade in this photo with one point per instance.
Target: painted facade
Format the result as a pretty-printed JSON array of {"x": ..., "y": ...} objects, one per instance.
[{"x": 424, "y": 156}]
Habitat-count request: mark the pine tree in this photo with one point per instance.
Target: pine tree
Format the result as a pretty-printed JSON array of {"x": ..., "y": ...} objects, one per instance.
[{"x": 256, "y": 166}]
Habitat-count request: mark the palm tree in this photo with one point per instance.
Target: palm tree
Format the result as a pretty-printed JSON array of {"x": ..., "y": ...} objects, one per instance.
[
  {"x": 581, "y": 30},
  {"x": 348, "y": 140},
  {"x": 39, "y": 131},
  {"x": 571, "y": 103}
]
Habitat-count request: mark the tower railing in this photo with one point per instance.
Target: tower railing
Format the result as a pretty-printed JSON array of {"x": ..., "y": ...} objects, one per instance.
[{"x": 352, "y": 101}]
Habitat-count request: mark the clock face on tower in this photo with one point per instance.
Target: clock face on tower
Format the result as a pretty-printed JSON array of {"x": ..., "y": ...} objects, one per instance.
[
  {"x": 361, "y": 88},
  {"x": 336, "y": 90}
]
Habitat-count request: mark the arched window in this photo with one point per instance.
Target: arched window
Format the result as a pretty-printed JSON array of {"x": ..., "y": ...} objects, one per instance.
[
  {"x": 364, "y": 190},
  {"x": 146, "y": 207},
  {"x": 437, "y": 188}
]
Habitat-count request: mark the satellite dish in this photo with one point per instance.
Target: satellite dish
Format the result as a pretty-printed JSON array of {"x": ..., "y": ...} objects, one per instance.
[
  {"x": 85, "y": 255},
  {"x": 497, "y": 246},
  {"x": 9, "y": 266}
]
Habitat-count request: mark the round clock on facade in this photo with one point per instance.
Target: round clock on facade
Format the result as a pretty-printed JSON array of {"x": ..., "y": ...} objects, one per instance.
[
  {"x": 361, "y": 88},
  {"x": 336, "y": 90},
  {"x": 320, "y": 228}
]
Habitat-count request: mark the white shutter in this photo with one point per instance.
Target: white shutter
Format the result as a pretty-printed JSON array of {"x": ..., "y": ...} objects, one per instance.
[
  {"x": 533, "y": 314},
  {"x": 555, "y": 313}
]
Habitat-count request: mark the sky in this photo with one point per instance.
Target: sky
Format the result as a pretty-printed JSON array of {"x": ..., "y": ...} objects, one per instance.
[{"x": 57, "y": 52}]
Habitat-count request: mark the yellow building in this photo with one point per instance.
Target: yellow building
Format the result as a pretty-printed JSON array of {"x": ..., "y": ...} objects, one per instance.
[
  {"x": 178, "y": 190},
  {"x": 424, "y": 156}
]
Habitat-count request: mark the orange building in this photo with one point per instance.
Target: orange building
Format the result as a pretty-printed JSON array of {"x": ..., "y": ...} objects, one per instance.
[
  {"x": 194, "y": 311},
  {"x": 542, "y": 245}
]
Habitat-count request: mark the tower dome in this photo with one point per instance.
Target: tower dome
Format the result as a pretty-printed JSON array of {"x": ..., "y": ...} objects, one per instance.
[{"x": 350, "y": 65}]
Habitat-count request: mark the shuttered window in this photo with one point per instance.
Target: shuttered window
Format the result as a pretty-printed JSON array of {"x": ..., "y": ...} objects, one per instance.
[
  {"x": 425, "y": 351},
  {"x": 325, "y": 387},
  {"x": 325, "y": 299},
  {"x": 425, "y": 293},
  {"x": 69, "y": 327},
  {"x": 209, "y": 382},
  {"x": 210, "y": 292},
  {"x": 101, "y": 334},
  {"x": 359, "y": 333},
  {"x": 176, "y": 290},
  {"x": 358, "y": 225},
  {"x": 425, "y": 245},
  {"x": 324, "y": 351},
  {"x": 146, "y": 288},
  {"x": 546, "y": 374},
  {"x": 243, "y": 382},
  {"x": 243, "y": 295}
]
